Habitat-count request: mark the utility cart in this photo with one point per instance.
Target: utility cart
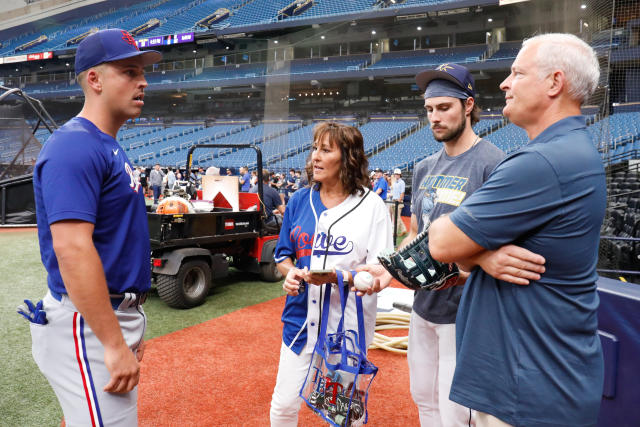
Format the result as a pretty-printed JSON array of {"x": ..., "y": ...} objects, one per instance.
[{"x": 190, "y": 251}]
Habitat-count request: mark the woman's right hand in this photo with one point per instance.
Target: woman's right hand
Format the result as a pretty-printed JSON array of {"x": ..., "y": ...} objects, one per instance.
[{"x": 292, "y": 281}]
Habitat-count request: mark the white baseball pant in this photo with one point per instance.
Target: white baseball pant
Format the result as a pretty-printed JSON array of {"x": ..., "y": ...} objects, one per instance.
[
  {"x": 292, "y": 371},
  {"x": 72, "y": 359},
  {"x": 432, "y": 362}
]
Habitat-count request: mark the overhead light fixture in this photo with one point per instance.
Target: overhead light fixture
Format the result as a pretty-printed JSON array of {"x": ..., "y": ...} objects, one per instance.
[
  {"x": 373, "y": 32},
  {"x": 419, "y": 28},
  {"x": 584, "y": 6},
  {"x": 322, "y": 37},
  {"x": 275, "y": 41},
  {"x": 195, "y": 51},
  {"x": 490, "y": 20}
]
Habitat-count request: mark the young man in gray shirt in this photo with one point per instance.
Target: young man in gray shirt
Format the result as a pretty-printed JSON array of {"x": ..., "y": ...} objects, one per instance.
[{"x": 440, "y": 183}]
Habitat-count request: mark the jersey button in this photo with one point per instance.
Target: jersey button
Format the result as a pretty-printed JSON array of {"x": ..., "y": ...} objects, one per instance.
[
  {"x": 314, "y": 301},
  {"x": 313, "y": 323}
]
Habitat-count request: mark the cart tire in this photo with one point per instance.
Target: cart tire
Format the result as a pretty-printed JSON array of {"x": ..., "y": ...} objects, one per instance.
[
  {"x": 269, "y": 272},
  {"x": 189, "y": 288}
]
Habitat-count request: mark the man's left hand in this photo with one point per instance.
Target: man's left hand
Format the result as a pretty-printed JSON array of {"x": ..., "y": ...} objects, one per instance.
[{"x": 512, "y": 264}]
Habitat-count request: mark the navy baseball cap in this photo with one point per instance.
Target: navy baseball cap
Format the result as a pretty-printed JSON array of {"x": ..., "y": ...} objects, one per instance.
[
  {"x": 454, "y": 73},
  {"x": 110, "y": 45}
]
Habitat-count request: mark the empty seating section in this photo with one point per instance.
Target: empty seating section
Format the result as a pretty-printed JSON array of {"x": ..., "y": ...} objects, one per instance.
[
  {"x": 484, "y": 126},
  {"x": 160, "y": 77},
  {"x": 150, "y": 145},
  {"x": 423, "y": 2},
  {"x": 294, "y": 142},
  {"x": 508, "y": 138},
  {"x": 429, "y": 57},
  {"x": 45, "y": 87},
  {"x": 332, "y": 7},
  {"x": 406, "y": 152},
  {"x": 388, "y": 143},
  {"x": 235, "y": 158},
  {"x": 617, "y": 136},
  {"x": 231, "y": 72},
  {"x": 58, "y": 35},
  {"x": 178, "y": 16},
  {"x": 258, "y": 11},
  {"x": 325, "y": 65},
  {"x": 378, "y": 133},
  {"x": 507, "y": 50}
]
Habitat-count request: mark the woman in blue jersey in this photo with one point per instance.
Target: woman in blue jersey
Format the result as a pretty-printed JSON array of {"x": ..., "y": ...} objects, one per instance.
[{"x": 336, "y": 223}]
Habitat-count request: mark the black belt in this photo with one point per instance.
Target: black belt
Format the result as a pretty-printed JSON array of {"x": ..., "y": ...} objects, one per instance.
[{"x": 118, "y": 301}]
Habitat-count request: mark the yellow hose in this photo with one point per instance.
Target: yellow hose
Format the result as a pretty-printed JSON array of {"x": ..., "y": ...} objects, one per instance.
[{"x": 386, "y": 321}]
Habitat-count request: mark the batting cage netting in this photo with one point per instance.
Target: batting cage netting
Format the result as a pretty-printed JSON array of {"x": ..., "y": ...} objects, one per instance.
[
  {"x": 24, "y": 126},
  {"x": 613, "y": 28}
]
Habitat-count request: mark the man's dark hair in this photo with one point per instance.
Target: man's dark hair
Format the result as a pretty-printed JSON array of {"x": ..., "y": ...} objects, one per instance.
[{"x": 475, "y": 113}]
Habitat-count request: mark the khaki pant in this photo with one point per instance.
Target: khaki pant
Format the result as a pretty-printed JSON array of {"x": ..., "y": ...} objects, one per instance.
[
  {"x": 402, "y": 229},
  {"x": 485, "y": 420}
]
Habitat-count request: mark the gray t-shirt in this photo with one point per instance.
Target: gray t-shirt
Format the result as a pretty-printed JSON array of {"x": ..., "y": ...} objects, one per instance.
[{"x": 440, "y": 184}]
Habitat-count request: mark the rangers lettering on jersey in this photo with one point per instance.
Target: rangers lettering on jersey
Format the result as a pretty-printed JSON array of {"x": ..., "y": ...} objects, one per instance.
[{"x": 302, "y": 241}]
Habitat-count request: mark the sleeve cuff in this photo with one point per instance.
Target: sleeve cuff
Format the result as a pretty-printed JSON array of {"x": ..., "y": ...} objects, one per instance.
[{"x": 65, "y": 215}]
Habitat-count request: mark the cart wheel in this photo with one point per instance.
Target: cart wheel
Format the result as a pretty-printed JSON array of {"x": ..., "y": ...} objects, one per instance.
[
  {"x": 269, "y": 272},
  {"x": 188, "y": 288}
]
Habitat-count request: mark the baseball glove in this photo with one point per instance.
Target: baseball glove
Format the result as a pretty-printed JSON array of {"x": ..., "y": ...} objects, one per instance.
[{"x": 414, "y": 267}]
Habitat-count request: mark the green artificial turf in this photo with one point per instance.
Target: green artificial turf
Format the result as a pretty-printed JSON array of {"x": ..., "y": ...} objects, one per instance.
[{"x": 26, "y": 399}]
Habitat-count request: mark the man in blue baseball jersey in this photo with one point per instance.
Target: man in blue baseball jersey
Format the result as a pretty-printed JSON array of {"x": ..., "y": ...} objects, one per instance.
[{"x": 94, "y": 241}]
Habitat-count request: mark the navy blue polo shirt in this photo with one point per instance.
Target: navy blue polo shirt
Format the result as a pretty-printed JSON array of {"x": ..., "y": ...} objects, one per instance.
[
  {"x": 83, "y": 174},
  {"x": 271, "y": 200},
  {"x": 530, "y": 355}
]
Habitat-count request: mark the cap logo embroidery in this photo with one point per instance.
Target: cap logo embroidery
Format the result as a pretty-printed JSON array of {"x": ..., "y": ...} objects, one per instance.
[
  {"x": 444, "y": 67},
  {"x": 130, "y": 40},
  {"x": 469, "y": 86}
]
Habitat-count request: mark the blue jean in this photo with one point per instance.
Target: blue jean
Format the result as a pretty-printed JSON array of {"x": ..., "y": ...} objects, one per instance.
[{"x": 157, "y": 189}]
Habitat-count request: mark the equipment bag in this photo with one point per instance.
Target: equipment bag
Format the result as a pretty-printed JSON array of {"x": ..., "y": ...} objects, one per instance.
[{"x": 339, "y": 376}]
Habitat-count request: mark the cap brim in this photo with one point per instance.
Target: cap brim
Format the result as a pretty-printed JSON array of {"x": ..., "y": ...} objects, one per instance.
[
  {"x": 424, "y": 78},
  {"x": 148, "y": 56}
]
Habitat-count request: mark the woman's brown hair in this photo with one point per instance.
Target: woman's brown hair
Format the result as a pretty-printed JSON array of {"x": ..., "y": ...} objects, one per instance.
[{"x": 354, "y": 169}]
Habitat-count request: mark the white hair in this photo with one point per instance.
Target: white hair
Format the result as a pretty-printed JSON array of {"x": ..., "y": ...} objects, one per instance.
[{"x": 566, "y": 52}]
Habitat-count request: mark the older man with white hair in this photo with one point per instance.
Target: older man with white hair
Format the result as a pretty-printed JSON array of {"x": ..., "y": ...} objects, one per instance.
[{"x": 529, "y": 353}]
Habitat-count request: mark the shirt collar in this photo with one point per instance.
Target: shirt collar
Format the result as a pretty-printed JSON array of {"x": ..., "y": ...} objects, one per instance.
[{"x": 560, "y": 127}]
